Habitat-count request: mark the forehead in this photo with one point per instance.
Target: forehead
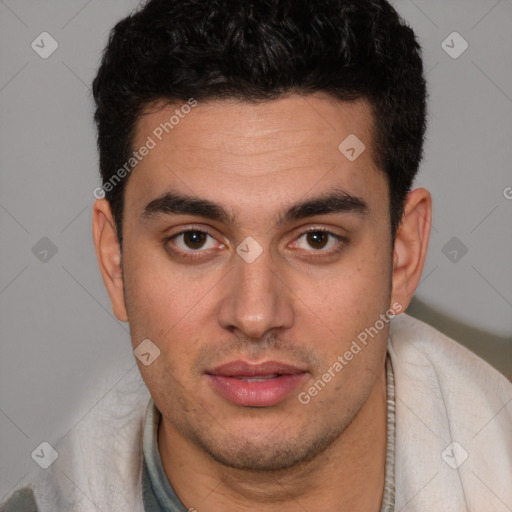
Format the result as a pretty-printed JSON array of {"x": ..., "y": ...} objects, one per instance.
[{"x": 268, "y": 152}]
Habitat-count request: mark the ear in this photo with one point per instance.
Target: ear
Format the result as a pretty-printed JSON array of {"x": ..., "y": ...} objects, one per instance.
[
  {"x": 108, "y": 252},
  {"x": 410, "y": 247}
]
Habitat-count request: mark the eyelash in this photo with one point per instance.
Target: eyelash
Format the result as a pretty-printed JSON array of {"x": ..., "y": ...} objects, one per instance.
[
  {"x": 192, "y": 255},
  {"x": 319, "y": 253}
]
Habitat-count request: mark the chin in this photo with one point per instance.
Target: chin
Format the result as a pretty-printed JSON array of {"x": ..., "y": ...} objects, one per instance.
[{"x": 250, "y": 454}]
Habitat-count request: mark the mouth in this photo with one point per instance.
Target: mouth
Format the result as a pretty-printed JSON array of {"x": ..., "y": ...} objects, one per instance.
[
  {"x": 258, "y": 379},
  {"x": 255, "y": 385}
]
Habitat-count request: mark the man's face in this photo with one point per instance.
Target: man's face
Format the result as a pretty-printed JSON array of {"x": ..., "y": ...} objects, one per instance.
[{"x": 243, "y": 334}]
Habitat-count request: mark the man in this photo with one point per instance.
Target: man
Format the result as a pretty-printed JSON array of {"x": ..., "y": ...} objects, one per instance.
[{"x": 260, "y": 235}]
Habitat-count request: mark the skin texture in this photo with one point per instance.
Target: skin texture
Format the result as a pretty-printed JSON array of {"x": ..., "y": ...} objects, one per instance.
[{"x": 291, "y": 304}]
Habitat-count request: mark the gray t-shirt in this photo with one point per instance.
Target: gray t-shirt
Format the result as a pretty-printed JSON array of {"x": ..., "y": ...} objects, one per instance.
[{"x": 159, "y": 496}]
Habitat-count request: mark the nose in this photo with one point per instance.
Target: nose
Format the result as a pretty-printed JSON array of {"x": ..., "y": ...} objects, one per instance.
[{"x": 257, "y": 299}]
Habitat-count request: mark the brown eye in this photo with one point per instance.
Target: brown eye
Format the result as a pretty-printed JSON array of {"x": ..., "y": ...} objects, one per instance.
[
  {"x": 317, "y": 239},
  {"x": 194, "y": 239}
]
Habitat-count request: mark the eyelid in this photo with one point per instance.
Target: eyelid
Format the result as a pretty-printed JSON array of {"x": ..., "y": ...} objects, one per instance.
[
  {"x": 202, "y": 249},
  {"x": 207, "y": 230},
  {"x": 190, "y": 253},
  {"x": 341, "y": 241}
]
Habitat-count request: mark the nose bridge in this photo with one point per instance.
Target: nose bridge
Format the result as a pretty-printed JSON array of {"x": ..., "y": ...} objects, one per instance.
[
  {"x": 258, "y": 300},
  {"x": 254, "y": 277}
]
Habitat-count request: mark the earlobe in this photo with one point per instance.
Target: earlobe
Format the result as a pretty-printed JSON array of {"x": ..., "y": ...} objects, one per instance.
[
  {"x": 411, "y": 244},
  {"x": 108, "y": 252}
]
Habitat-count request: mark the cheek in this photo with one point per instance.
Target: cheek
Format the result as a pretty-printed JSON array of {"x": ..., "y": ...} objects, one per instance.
[
  {"x": 359, "y": 287},
  {"x": 349, "y": 300},
  {"x": 155, "y": 299},
  {"x": 162, "y": 307},
  {"x": 167, "y": 305}
]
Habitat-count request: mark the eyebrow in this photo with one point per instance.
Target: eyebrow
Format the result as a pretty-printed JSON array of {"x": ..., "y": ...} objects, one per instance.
[{"x": 336, "y": 201}]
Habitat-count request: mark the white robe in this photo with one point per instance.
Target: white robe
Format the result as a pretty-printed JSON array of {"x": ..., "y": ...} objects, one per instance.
[{"x": 444, "y": 394}]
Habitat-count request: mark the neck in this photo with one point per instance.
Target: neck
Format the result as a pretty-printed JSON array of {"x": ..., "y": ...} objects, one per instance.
[{"x": 348, "y": 475}]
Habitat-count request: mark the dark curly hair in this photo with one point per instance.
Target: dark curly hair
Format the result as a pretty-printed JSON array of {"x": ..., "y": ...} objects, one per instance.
[{"x": 257, "y": 50}]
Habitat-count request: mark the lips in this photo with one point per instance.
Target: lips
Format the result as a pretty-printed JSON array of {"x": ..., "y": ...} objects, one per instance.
[{"x": 255, "y": 385}]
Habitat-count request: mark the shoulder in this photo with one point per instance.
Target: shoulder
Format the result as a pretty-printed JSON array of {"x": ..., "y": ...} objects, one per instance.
[
  {"x": 415, "y": 344},
  {"x": 98, "y": 461},
  {"x": 453, "y": 421}
]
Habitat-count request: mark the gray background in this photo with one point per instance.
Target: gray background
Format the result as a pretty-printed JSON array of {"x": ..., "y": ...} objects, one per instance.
[{"x": 62, "y": 350}]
